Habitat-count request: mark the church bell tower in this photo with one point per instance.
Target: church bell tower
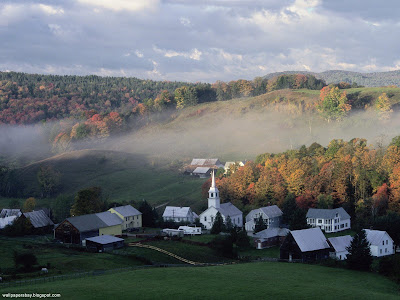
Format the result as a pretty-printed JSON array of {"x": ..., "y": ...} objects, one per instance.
[{"x": 213, "y": 194}]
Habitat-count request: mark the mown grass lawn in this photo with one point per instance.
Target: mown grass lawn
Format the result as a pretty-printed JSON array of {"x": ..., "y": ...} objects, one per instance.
[{"x": 267, "y": 280}]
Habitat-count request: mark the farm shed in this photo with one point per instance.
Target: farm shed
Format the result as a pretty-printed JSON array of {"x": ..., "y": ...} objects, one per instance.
[{"x": 104, "y": 243}]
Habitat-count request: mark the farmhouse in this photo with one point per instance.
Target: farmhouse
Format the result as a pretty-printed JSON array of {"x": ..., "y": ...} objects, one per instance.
[
  {"x": 75, "y": 230},
  {"x": 271, "y": 215},
  {"x": 38, "y": 219},
  {"x": 270, "y": 237},
  {"x": 225, "y": 209},
  {"x": 339, "y": 246},
  {"x": 131, "y": 217},
  {"x": 104, "y": 243},
  {"x": 9, "y": 212},
  {"x": 233, "y": 165},
  {"x": 381, "y": 244},
  {"x": 179, "y": 214},
  {"x": 305, "y": 245},
  {"x": 329, "y": 220},
  {"x": 205, "y": 165}
]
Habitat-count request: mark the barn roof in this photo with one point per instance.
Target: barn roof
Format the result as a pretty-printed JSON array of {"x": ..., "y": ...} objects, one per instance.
[
  {"x": 8, "y": 212},
  {"x": 104, "y": 239},
  {"x": 87, "y": 222},
  {"x": 271, "y": 232},
  {"x": 109, "y": 218},
  {"x": 176, "y": 212},
  {"x": 271, "y": 211},
  {"x": 375, "y": 237},
  {"x": 127, "y": 211},
  {"x": 201, "y": 170},
  {"x": 228, "y": 209},
  {"x": 310, "y": 239},
  {"x": 340, "y": 243},
  {"x": 327, "y": 213},
  {"x": 205, "y": 162},
  {"x": 38, "y": 218},
  {"x": 6, "y": 221}
]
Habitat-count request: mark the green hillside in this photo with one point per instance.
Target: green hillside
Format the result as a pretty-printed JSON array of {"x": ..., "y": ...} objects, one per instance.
[
  {"x": 242, "y": 281},
  {"x": 374, "y": 79}
]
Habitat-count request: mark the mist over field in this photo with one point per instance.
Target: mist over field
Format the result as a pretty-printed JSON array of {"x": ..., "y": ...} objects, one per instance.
[{"x": 228, "y": 136}]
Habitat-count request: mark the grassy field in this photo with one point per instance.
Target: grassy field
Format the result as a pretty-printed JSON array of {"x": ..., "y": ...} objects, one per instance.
[
  {"x": 241, "y": 281},
  {"x": 60, "y": 260}
]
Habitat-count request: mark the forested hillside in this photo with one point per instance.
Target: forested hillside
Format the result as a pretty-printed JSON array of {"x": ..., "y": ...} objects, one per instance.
[{"x": 374, "y": 79}]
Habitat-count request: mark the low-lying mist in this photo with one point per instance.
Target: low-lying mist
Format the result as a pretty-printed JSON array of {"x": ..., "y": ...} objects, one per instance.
[{"x": 228, "y": 136}]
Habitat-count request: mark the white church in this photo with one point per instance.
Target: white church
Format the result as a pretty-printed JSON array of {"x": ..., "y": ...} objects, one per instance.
[{"x": 225, "y": 209}]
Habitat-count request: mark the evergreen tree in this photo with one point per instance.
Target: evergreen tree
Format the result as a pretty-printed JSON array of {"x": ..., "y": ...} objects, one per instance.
[
  {"x": 260, "y": 224},
  {"x": 299, "y": 220},
  {"x": 359, "y": 257},
  {"x": 228, "y": 224},
  {"x": 288, "y": 208},
  {"x": 148, "y": 217},
  {"x": 218, "y": 225}
]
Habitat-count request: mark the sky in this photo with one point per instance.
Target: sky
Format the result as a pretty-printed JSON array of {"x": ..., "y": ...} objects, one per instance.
[{"x": 198, "y": 40}]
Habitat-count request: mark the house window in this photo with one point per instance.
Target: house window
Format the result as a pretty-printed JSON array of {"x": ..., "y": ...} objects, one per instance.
[
  {"x": 386, "y": 242},
  {"x": 319, "y": 221},
  {"x": 380, "y": 250},
  {"x": 385, "y": 250},
  {"x": 205, "y": 218},
  {"x": 383, "y": 242}
]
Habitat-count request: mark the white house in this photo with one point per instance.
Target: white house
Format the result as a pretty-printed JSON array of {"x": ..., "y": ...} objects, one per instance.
[
  {"x": 340, "y": 245},
  {"x": 232, "y": 164},
  {"x": 225, "y": 209},
  {"x": 381, "y": 244},
  {"x": 271, "y": 215},
  {"x": 329, "y": 220},
  {"x": 179, "y": 214}
]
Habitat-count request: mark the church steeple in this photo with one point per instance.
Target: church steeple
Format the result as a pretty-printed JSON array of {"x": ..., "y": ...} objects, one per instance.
[{"x": 213, "y": 193}]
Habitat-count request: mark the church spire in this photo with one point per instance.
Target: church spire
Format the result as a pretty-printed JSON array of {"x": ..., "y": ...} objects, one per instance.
[{"x": 213, "y": 193}]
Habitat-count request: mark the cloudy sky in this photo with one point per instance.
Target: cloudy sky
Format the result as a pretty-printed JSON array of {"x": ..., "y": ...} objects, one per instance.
[{"x": 198, "y": 40}]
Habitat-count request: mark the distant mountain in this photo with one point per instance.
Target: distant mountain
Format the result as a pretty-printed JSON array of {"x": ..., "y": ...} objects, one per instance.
[{"x": 366, "y": 79}]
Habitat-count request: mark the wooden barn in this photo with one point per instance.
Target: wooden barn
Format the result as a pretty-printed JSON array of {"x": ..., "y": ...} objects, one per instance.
[
  {"x": 75, "y": 230},
  {"x": 104, "y": 243},
  {"x": 305, "y": 245},
  {"x": 41, "y": 223},
  {"x": 270, "y": 237}
]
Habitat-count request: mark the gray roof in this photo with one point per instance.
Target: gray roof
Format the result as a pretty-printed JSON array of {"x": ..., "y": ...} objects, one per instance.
[
  {"x": 327, "y": 213},
  {"x": 8, "y": 212},
  {"x": 201, "y": 170},
  {"x": 228, "y": 209},
  {"x": 271, "y": 232},
  {"x": 127, "y": 211},
  {"x": 109, "y": 218},
  {"x": 340, "y": 243},
  {"x": 271, "y": 211},
  {"x": 375, "y": 237},
  {"x": 38, "y": 218},
  {"x": 205, "y": 162},
  {"x": 310, "y": 239},
  {"x": 87, "y": 222},
  {"x": 176, "y": 212},
  {"x": 104, "y": 239}
]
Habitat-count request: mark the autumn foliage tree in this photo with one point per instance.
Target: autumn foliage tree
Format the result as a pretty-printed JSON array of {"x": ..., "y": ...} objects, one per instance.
[{"x": 333, "y": 104}]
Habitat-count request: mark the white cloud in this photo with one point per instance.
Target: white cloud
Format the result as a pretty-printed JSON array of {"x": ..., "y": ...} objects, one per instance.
[
  {"x": 121, "y": 5},
  {"x": 51, "y": 10},
  {"x": 195, "y": 54},
  {"x": 139, "y": 54},
  {"x": 185, "y": 21}
]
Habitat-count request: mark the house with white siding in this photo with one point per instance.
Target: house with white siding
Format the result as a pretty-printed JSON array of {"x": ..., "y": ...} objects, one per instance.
[
  {"x": 226, "y": 210},
  {"x": 329, "y": 220},
  {"x": 339, "y": 246},
  {"x": 381, "y": 244},
  {"x": 271, "y": 215},
  {"x": 179, "y": 214}
]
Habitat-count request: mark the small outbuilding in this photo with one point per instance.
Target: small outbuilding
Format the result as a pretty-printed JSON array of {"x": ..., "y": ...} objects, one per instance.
[
  {"x": 339, "y": 246},
  {"x": 305, "y": 245},
  {"x": 104, "y": 243},
  {"x": 270, "y": 237}
]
